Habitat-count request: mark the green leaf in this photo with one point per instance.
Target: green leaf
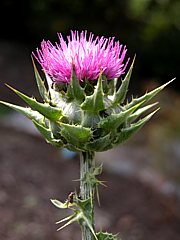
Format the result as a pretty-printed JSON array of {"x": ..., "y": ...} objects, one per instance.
[
  {"x": 106, "y": 236},
  {"x": 140, "y": 111},
  {"x": 120, "y": 95},
  {"x": 126, "y": 133},
  {"x": 47, "y": 134},
  {"x": 86, "y": 210},
  {"x": 148, "y": 96},
  {"x": 54, "y": 95},
  {"x": 94, "y": 103},
  {"x": 75, "y": 91},
  {"x": 45, "y": 109},
  {"x": 40, "y": 83},
  {"x": 88, "y": 223},
  {"x": 28, "y": 112},
  {"x": 75, "y": 134},
  {"x": 84, "y": 205},
  {"x": 112, "y": 86},
  {"x": 100, "y": 144},
  {"x": 115, "y": 120}
]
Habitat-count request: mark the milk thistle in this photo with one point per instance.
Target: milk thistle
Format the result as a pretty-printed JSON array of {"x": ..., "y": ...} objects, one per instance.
[{"x": 84, "y": 110}]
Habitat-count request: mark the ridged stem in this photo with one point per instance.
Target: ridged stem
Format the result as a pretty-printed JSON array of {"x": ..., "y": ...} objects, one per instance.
[{"x": 87, "y": 162}]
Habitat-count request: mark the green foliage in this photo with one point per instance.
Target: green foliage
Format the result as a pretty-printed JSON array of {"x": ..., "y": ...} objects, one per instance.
[
  {"x": 40, "y": 83},
  {"x": 115, "y": 120},
  {"x": 82, "y": 213},
  {"x": 128, "y": 132},
  {"x": 28, "y": 112},
  {"x": 76, "y": 119},
  {"x": 95, "y": 103},
  {"x": 75, "y": 135},
  {"x": 74, "y": 90},
  {"x": 45, "y": 109},
  {"x": 47, "y": 134},
  {"x": 120, "y": 95}
]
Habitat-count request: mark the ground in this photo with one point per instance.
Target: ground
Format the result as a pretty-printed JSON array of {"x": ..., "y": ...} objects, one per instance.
[{"x": 32, "y": 172}]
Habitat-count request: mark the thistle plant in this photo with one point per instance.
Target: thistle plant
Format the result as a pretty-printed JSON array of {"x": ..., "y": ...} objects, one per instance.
[{"x": 85, "y": 110}]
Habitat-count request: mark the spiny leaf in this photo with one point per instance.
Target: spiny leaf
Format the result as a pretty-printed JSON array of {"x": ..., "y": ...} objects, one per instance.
[
  {"x": 84, "y": 204},
  {"x": 86, "y": 210},
  {"x": 129, "y": 131},
  {"x": 47, "y": 134},
  {"x": 40, "y": 83},
  {"x": 88, "y": 223},
  {"x": 45, "y": 109},
  {"x": 140, "y": 111},
  {"x": 115, "y": 120},
  {"x": 28, "y": 112},
  {"x": 75, "y": 91},
  {"x": 120, "y": 95},
  {"x": 54, "y": 95},
  {"x": 100, "y": 144},
  {"x": 75, "y": 134},
  {"x": 112, "y": 86},
  {"x": 94, "y": 103},
  {"x": 148, "y": 96}
]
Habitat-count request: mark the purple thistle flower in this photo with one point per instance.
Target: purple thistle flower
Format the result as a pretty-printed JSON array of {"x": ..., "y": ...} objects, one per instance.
[{"x": 89, "y": 56}]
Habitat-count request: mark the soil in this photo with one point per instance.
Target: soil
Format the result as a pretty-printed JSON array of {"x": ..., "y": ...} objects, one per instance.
[{"x": 32, "y": 172}]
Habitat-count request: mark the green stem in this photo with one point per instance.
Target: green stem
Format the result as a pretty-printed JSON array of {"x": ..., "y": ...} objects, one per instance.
[{"x": 87, "y": 162}]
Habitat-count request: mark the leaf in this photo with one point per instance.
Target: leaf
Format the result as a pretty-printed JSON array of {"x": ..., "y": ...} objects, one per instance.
[
  {"x": 140, "y": 111},
  {"x": 75, "y": 134},
  {"x": 74, "y": 90},
  {"x": 100, "y": 144},
  {"x": 112, "y": 86},
  {"x": 129, "y": 131},
  {"x": 40, "y": 83},
  {"x": 88, "y": 223},
  {"x": 115, "y": 120},
  {"x": 45, "y": 109},
  {"x": 120, "y": 95},
  {"x": 148, "y": 96},
  {"x": 28, "y": 112},
  {"x": 54, "y": 95},
  {"x": 86, "y": 210},
  {"x": 94, "y": 103},
  {"x": 47, "y": 134}
]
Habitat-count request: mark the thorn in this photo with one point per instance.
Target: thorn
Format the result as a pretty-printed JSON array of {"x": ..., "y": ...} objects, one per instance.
[
  {"x": 64, "y": 219},
  {"x": 76, "y": 180}
]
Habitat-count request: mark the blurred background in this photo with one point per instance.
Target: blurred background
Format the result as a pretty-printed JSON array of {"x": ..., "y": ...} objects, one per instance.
[{"x": 143, "y": 176}]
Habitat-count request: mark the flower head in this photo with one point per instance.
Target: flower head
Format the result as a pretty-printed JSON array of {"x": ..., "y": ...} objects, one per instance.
[{"x": 89, "y": 56}]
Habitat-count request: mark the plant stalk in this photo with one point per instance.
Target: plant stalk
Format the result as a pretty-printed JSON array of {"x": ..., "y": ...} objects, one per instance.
[{"x": 87, "y": 163}]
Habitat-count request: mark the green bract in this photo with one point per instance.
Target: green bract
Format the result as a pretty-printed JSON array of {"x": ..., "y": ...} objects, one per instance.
[{"x": 86, "y": 116}]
